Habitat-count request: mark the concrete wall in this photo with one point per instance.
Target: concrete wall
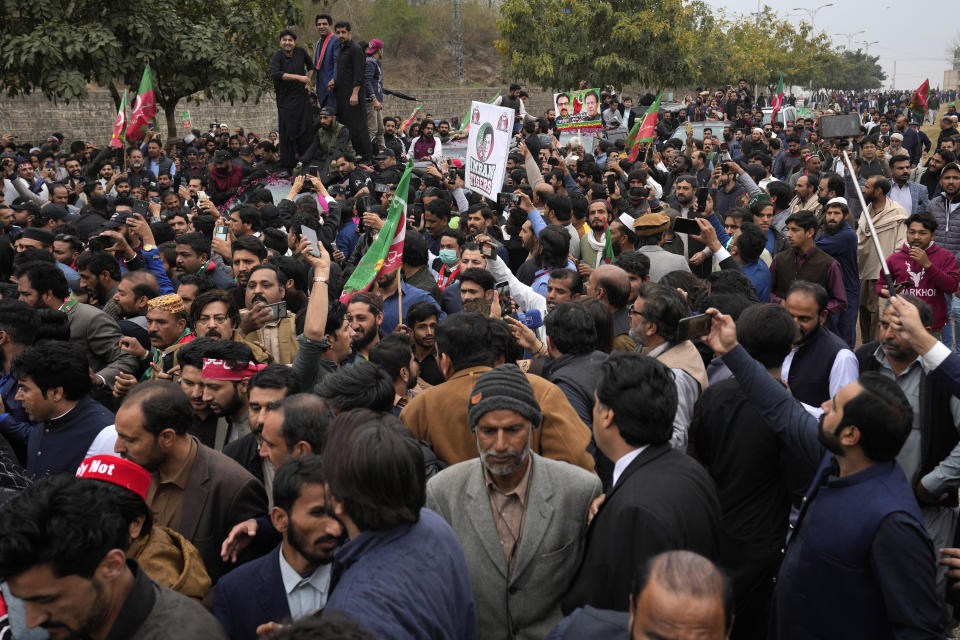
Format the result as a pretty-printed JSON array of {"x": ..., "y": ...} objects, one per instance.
[{"x": 33, "y": 118}]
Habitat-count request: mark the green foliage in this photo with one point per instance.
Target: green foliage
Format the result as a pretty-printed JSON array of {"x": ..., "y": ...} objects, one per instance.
[
  {"x": 672, "y": 43},
  {"x": 218, "y": 47},
  {"x": 556, "y": 43}
]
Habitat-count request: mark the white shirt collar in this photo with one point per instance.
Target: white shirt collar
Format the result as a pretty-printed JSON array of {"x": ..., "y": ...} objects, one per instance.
[
  {"x": 624, "y": 462},
  {"x": 320, "y": 579}
]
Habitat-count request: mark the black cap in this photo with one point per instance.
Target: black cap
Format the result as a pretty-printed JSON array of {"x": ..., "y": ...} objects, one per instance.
[
  {"x": 327, "y": 111},
  {"x": 25, "y": 204},
  {"x": 222, "y": 156},
  {"x": 384, "y": 153},
  {"x": 54, "y": 211},
  {"x": 119, "y": 218}
]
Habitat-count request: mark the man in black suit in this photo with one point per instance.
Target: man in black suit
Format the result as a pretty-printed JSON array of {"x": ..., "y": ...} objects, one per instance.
[
  {"x": 348, "y": 85},
  {"x": 660, "y": 499},
  {"x": 293, "y": 580}
]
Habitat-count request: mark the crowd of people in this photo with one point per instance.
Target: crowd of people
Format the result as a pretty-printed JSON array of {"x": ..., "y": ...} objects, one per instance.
[{"x": 641, "y": 399}]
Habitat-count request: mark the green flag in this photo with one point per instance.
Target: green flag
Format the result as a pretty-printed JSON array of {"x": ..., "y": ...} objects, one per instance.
[{"x": 384, "y": 254}]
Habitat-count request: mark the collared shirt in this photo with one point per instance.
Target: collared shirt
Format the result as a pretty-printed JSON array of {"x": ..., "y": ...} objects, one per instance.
[
  {"x": 165, "y": 495},
  {"x": 910, "y": 381},
  {"x": 305, "y": 594},
  {"x": 624, "y": 462},
  {"x": 509, "y": 512},
  {"x": 901, "y": 195}
]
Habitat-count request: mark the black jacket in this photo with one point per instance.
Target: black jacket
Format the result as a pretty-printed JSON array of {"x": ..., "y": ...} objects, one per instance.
[{"x": 664, "y": 500}]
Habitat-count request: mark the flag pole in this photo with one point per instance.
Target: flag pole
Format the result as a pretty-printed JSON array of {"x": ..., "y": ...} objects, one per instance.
[{"x": 399, "y": 296}]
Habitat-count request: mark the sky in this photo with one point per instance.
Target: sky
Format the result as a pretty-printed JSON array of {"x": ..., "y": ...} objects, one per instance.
[{"x": 917, "y": 41}]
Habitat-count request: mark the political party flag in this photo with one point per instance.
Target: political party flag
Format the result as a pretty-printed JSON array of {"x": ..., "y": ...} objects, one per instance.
[
  {"x": 776, "y": 100},
  {"x": 384, "y": 254},
  {"x": 648, "y": 128},
  {"x": 465, "y": 123},
  {"x": 607, "y": 247},
  {"x": 116, "y": 140},
  {"x": 409, "y": 121},
  {"x": 918, "y": 105},
  {"x": 144, "y": 108}
]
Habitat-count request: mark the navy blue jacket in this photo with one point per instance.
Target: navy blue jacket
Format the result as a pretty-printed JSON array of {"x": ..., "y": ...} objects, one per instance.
[
  {"x": 251, "y": 595},
  {"x": 858, "y": 561},
  {"x": 842, "y": 247},
  {"x": 410, "y": 581},
  {"x": 59, "y": 445}
]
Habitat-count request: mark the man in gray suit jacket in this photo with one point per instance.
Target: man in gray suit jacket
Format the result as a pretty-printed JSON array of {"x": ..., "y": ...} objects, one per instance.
[
  {"x": 520, "y": 518},
  {"x": 650, "y": 229}
]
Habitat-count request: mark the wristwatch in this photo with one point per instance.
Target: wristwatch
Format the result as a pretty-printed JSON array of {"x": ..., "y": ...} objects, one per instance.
[{"x": 149, "y": 247}]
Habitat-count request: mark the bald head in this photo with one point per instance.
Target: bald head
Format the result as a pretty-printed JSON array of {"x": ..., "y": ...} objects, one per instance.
[
  {"x": 681, "y": 594},
  {"x": 541, "y": 192},
  {"x": 610, "y": 284}
]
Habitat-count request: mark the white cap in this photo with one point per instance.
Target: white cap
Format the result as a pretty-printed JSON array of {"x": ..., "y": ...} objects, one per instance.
[
  {"x": 626, "y": 220},
  {"x": 896, "y": 136},
  {"x": 837, "y": 200},
  {"x": 190, "y": 138}
]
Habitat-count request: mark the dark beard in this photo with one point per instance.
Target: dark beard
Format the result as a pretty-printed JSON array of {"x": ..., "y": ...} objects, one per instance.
[
  {"x": 831, "y": 444},
  {"x": 296, "y": 540},
  {"x": 366, "y": 338}
]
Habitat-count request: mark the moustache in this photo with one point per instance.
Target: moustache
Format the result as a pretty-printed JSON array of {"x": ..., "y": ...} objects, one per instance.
[
  {"x": 259, "y": 297},
  {"x": 213, "y": 333},
  {"x": 153, "y": 335}
]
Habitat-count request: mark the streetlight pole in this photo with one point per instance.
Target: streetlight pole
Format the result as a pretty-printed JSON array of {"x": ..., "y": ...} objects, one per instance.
[
  {"x": 813, "y": 12},
  {"x": 866, "y": 44},
  {"x": 849, "y": 37}
]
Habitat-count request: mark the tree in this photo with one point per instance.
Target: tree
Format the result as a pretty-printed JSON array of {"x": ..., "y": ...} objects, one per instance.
[
  {"x": 218, "y": 47},
  {"x": 556, "y": 43},
  {"x": 854, "y": 70}
]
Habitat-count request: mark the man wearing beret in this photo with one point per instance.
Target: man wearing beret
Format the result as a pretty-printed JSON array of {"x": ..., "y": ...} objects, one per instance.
[
  {"x": 650, "y": 229},
  {"x": 520, "y": 518}
]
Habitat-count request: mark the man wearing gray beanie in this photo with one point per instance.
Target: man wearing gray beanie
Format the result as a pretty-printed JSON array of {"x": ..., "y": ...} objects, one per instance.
[{"x": 511, "y": 508}]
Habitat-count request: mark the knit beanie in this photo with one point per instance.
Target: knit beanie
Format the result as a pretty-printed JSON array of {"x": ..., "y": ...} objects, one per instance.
[{"x": 505, "y": 387}]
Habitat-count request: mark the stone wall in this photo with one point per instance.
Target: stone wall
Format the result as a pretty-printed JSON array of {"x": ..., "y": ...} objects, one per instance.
[{"x": 33, "y": 117}]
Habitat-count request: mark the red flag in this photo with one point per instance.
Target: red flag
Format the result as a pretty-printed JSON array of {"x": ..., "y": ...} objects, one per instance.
[
  {"x": 145, "y": 107},
  {"x": 776, "y": 100},
  {"x": 116, "y": 140},
  {"x": 918, "y": 104}
]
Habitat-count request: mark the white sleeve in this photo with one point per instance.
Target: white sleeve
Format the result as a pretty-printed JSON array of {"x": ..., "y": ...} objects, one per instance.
[
  {"x": 437, "y": 151},
  {"x": 103, "y": 444},
  {"x": 524, "y": 295},
  {"x": 657, "y": 189},
  {"x": 845, "y": 370}
]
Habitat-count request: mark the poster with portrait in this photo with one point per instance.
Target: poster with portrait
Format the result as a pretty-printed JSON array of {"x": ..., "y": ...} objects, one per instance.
[
  {"x": 487, "y": 148},
  {"x": 580, "y": 109}
]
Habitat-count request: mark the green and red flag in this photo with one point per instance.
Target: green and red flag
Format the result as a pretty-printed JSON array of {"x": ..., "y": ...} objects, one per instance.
[
  {"x": 144, "y": 108},
  {"x": 116, "y": 140},
  {"x": 409, "y": 121},
  {"x": 384, "y": 254},
  {"x": 465, "y": 123},
  {"x": 607, "y": 247},
  {"x": 918, "y": 105},
  {"x": 776, "y": 100},
  {"x": 648, "y": 128}
]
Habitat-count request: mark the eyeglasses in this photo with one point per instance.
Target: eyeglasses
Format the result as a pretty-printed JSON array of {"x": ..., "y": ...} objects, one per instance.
[{"x": 633, "y": 312}]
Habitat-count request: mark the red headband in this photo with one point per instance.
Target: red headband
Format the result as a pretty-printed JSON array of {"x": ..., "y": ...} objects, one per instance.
[
  {"x": 221, "y": 370},
  {"x": 119, "y": 471}
]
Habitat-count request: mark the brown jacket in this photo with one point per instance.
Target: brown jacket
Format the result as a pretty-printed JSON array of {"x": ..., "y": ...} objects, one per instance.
[
  {"x": 219, "y": 494},
  {"x": 280, "y": 339},
  {"x": 439, "y": 417},
  {"x": 172, "y": 562}
]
